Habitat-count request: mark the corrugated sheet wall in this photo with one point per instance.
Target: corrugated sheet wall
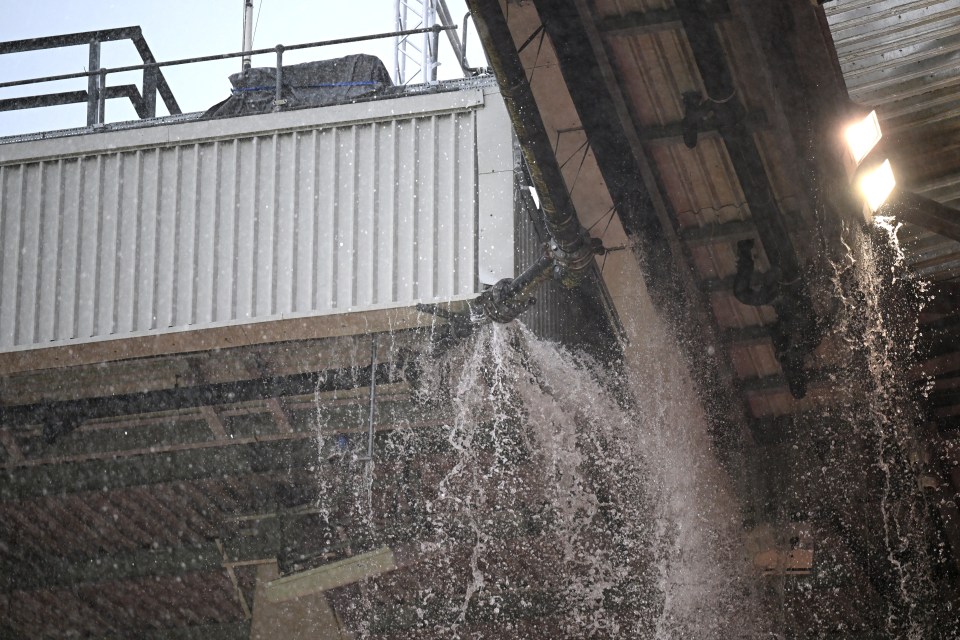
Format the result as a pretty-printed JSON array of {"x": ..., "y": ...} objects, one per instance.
[
  {"x": 575, "y": 318},
  {"x": 344, "y": 217}
]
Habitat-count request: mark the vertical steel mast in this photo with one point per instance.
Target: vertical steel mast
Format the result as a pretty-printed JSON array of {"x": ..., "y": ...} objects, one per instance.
[
  {"x": 247, "y": 32},
  {"x": 415, "y": 57}
]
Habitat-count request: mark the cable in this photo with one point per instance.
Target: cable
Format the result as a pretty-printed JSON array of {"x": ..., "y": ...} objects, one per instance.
[
  {"x": 727, "y": 99},
  {"x": 256, "y": 24},
  {"x": 575, "y": 152},
  {"x": 609, "y": 212},
  {"x": 605, "y": 229},
  {"x": 536, "y": 60},
  {"x": 580, "y": 168}
]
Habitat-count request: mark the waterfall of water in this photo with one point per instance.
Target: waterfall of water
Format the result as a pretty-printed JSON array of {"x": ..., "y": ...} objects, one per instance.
[
  {"x": 868, "y": 494},
  {"x": 843, "y": 472},
  {"x": 557, "y": 497},
  {"x": 532, "y": 492}
]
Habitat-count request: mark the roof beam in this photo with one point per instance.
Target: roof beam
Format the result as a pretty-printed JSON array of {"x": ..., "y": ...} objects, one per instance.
[
  {"x": 733, "y": 231},
  {"x": 745, "y": 336},
  {"x": 270, "y": 453},
  {"x": 651, "y": 21},
  {"x": 755, "y": 121},
  {"x": 926, "y": 213},
  {"x": 638, "y": 22},
  {"x": 719, "y": 233},
  {"x": 764, "y": 383},
  {"x": 63, "y": 417},
  {"x": 777, "y": 381}
]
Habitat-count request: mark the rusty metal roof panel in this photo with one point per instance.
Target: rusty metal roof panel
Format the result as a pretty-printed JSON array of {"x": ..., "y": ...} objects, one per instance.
[
  {"x": 700, "y": 182},
  {"x": 714, "y": 261},
  {"x": 655, "y": 95},
  {"x": 754, "y": 360},
  {"x": 733, "y": 314}
]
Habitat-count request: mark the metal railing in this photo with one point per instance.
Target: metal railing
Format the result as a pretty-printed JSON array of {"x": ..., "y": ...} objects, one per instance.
[
  {"x": 144, "y": 99},
  {"x": 154, "y": 82}
]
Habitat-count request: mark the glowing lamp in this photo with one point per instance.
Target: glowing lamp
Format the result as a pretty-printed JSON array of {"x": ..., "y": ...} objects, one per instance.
[
  {"x": 863, "y": 136},
  {"x": 877, "y": 184}
]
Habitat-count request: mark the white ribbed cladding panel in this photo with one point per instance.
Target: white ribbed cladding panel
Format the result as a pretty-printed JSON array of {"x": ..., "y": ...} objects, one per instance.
[{"x": 209, "y": 224}]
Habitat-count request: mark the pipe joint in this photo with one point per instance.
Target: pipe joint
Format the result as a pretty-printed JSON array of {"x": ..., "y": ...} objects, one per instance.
[
  {"x": 502, "y": 302},
  {"x": 569, "y": 265}
]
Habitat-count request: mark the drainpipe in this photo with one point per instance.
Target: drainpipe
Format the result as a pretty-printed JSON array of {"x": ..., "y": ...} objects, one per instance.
[
  {"x": 747, "y": 163},
  {"x": 503, "y": 302},
  {"x": 570, "y": 243},
  {"x": 570, "y": 251},
  {"x": 510, "y": 297}
]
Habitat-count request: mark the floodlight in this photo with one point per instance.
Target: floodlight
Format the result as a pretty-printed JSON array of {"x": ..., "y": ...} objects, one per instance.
[
  {"x": 863, "y": 136},
  {"x": 876, "y": 184}
]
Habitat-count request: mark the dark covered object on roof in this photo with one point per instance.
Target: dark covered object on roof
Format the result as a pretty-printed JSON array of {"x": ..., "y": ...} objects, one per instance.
[{"x": 311, "y": 84}]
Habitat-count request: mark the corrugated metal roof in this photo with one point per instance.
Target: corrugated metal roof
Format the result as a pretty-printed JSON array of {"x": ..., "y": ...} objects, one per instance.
[
  {"x": 903, "y": 57},
  {"x": 700, "y": 182},
  {"x": 655, "y": 96},
  {"x": 654, "y": 66}
]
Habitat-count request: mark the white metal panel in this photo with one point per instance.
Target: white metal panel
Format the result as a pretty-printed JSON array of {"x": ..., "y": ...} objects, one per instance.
[
  {"x": 194, "y": 231},
  {"x": 495, "y": 167}
]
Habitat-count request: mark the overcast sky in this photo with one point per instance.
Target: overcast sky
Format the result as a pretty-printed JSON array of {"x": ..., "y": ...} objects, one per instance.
[{"x": 183, "y": 29}]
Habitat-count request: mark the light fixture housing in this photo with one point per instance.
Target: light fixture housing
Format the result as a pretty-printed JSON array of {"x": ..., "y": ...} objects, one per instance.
[
  {"x": 862, "y": 136},
  {"x": 876, "y": 183}
]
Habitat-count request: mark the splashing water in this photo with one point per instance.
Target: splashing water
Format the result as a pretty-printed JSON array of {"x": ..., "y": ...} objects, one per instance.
[
  {"x": 866, "y": 497},
  {"x": 560, "y": 498},
  {"x": 528, "y": 491}
]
